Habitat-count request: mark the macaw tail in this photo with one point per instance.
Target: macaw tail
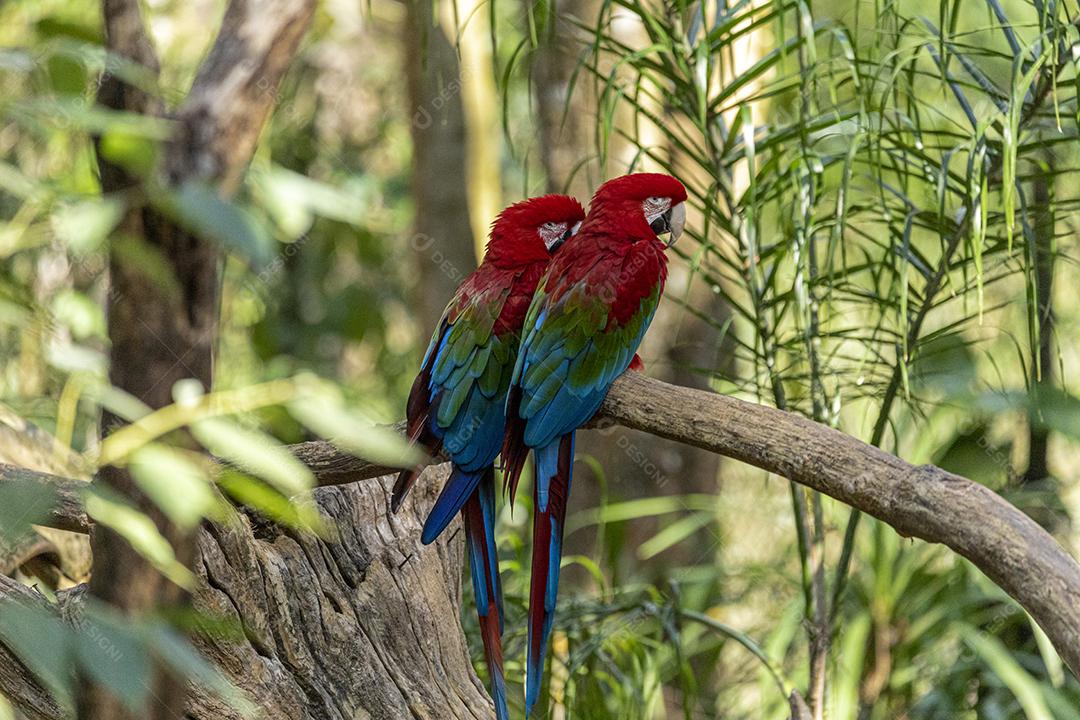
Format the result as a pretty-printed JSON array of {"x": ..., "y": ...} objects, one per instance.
[
  {"x": 459, "y": 486},
  {"x": 407, "y": 478},
  {"x": 551, "y": 488},
  {"x": 479, "y": 515},
  {"x": 514, "y": 449},
  {"x": 418, "y": 412}
]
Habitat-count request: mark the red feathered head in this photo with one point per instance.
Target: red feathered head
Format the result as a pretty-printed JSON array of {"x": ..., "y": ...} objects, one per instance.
[
  {"x": 531, "y": 230},
  {"x": 640, "y": 206}
]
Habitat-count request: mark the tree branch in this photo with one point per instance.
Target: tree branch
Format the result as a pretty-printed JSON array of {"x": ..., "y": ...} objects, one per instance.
[
  {"x": 68, "y": 512},
  {"x": 924, "y": 501},
  {"x": 235, "y": 91},
  {"x": 918, "y": 501}
]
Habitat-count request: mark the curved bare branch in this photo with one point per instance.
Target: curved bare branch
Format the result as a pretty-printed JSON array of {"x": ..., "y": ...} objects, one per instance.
[{"x": 924, "y": 501}]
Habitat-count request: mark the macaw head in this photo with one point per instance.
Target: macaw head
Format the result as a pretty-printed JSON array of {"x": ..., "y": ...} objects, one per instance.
[
  {"x": 532, "y": 230},
  {"x": 642, "y": 205}
]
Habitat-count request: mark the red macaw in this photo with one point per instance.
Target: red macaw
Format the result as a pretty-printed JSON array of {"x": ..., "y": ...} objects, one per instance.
[
  {"x": 584, "y": 324},
  {"x": 458, "y": 400}
]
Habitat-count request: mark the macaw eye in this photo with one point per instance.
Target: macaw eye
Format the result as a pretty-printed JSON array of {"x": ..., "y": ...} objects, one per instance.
[
  {"x": 654, "y": 207},
  {"x": 553, "y": 234},
  {"x": 664, "y": 217}
]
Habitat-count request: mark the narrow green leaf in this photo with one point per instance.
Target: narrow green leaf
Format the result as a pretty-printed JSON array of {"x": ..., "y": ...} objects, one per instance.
[
  {"x": 996, "y": 656},
  {"x": 254, "y": 451},
  {"x": 176, "y": 484},
  {"x": 139, "y": 530}
]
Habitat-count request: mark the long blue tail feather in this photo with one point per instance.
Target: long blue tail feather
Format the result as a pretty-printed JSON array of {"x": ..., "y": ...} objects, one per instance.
[
  {"x": 459, "y": 486},
  {"x": 479, "y": 516},
  {"x": 551, "y": 488}
]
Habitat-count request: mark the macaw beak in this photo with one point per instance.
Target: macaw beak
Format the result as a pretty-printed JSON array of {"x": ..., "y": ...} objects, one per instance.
[
  {"x": 570, "y": 231},
  {"x": 672, "y": 222}
]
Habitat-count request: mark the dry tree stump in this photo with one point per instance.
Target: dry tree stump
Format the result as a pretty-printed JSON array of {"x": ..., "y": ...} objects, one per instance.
[
  {"x": 354, "y": 627},
  {"x": 360, "y": 625}
]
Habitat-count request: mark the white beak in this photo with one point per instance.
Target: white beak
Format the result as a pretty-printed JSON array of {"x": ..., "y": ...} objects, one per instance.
[{"x": 678, "y": 222}]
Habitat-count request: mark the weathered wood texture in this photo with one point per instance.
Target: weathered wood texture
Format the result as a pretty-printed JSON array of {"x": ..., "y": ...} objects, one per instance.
[{"x": 363, "y": 626}]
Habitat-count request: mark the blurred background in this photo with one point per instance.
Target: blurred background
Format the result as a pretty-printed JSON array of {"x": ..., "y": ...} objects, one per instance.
[{"x": 882, "y": 237}]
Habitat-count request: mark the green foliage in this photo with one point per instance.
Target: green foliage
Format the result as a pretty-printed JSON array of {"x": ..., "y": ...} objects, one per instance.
[
  {"x": 107, "y": 647},
  {"x": 877, "y": 190},
  {"x": 58, "y": 235}
]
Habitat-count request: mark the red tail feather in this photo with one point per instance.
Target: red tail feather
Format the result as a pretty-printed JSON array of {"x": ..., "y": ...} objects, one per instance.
[
  {"x": 478, "y": 514},
  {"x": 546, "y": 559},
  {"x": 514, "y": 450},
  {"x": 407, "y": 478}
]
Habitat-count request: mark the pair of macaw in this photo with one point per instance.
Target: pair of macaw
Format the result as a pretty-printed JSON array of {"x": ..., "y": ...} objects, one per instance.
[{"x": 522, "y": 357}]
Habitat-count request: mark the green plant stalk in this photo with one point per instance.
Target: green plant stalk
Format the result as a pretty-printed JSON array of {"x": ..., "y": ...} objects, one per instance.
[
  {"x": 1046, "y": 82},
  {"x": 120, "y": 444}
]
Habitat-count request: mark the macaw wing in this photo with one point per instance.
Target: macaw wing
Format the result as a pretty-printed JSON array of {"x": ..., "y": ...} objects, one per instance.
[
  {"x": 470, "y": 370},
  {"x": 573, "y": 350}
]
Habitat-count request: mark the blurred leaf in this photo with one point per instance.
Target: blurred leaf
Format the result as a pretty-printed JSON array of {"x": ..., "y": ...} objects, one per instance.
[
  {"x": 187, "y": 663},
  {"x": 73, "y": 358},
  {"x": 994, "y": 653},
  {"x": 44, "y": 645},
  {"x": 110, "y": 650},
  {"x": 256, "y": 452},
  {"x": 139, "y": 530},
  {"x": 119, "y": 402},
  {"x": 23, "y": 502},
  {"x": 945, "y": 364},
  {"x": 640, "y": 508},
  {"x": 1055, "y": 668},
  {"x": 320, "y": 408},
  {"x": 294, "y": 217},
  {"x": 66, "y": 75},
  {"x": 289, "y": 188},
  {"x": 1057, "y": 411},
  {"x": 149, "y": 261},
  {"x": 134, "y": 152},
  {"x": 85, "y": 225},
  {"x": 270, "y": 502},
  {"x": 674, "y": 534},
  {"x": 199, "y": 208},
  {"x": 16, "y": 60},
  {"x": 75, "y": 113},
  {"x": 53, "y": 26},
  {"x": 974, "y": 454},
  {"x": 175, "y": 483},
  {"x": 81, "y": 314}
]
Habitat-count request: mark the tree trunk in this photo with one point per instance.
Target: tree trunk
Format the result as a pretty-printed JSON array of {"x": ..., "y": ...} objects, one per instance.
[
  {"x": 159, "y": 336},
  {"x": 563, "y": 125},
  {"x": 443, "y": 238}
]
